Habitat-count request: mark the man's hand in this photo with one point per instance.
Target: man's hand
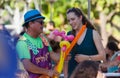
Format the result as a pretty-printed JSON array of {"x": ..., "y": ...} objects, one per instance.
[{"x": 52, "y": 73}]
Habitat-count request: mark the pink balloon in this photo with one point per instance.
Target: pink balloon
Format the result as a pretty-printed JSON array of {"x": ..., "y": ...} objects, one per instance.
[
  {"x": 56, "y": 32},
  {"x": 70, "y": 37},
  {"x": 62, "y": 34},
  {"x": 64, "y": 48}
]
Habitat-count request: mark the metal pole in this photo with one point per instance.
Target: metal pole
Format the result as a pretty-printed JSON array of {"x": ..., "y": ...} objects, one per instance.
[{"x": 89, "y": 8}]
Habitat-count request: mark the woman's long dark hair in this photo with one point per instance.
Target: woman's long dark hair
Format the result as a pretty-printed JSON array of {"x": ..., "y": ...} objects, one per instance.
[{"x": 78, "y": 13}]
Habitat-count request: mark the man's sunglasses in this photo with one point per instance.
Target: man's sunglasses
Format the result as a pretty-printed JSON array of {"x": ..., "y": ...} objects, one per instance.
[{"x": 40, "y": 22}]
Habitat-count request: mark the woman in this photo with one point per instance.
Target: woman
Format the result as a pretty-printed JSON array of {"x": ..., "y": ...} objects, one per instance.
[{"x": 88, "y": 46}]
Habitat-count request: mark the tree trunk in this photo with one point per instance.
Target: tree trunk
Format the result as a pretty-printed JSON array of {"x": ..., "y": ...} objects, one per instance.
[{"x": 104, "y": 35}]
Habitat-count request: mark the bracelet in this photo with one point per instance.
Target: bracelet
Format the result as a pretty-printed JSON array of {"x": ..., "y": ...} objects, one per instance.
[{"x": 90, "y": 58}]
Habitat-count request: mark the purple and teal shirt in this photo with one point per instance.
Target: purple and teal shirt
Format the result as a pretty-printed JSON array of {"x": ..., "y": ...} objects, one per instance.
[{"x": 36, "y": 49}]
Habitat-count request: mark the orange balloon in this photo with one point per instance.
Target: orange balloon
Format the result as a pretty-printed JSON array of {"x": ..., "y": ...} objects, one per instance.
[{"x": 75, "y": 39}]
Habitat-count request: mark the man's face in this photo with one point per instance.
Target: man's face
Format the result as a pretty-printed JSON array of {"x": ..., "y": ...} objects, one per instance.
[{"x": 37, "y": 26}]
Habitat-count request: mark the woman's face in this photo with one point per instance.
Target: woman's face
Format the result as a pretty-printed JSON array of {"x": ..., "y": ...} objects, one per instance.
[{"x": 74, "y": 20}]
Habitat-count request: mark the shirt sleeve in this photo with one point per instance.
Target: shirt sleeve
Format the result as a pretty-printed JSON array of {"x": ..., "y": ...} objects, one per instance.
[
  {"x": 22, "y": 50},
  {"x": 50, "y": 48}
]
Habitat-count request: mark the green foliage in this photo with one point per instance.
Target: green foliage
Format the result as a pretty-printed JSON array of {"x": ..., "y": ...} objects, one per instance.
[
  {"x": 32, "y": 5},
  {"x": 116, "y": 20},
  {"x": 116, "y": 33},
  {"x": 45, "y": 8},
  {"x": 4, "y": 13},
  {"x": 59, "y": 7},
  {"x": 12, "y": 4}
]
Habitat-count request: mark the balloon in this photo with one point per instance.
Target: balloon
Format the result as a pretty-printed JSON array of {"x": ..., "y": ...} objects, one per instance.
[
  {"x": 62, "y": 34},
  {"x": 70, "y": 37},
  {"x": 60, "y": 65},
  {"x": 64, "y": 43},
  {"x": 66, "y": 47}
]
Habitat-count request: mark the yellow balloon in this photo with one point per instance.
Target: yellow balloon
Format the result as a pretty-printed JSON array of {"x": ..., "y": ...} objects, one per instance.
[
  {"x": 60, "y": 64},
  {"x": 65, "y": 43}
]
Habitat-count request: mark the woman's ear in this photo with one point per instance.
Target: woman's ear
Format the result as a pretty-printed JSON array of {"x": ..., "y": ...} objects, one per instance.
[{"x": 81, "y": 17}]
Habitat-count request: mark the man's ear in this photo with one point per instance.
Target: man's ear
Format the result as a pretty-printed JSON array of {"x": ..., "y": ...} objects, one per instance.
[{"x": 30, "y": 23}]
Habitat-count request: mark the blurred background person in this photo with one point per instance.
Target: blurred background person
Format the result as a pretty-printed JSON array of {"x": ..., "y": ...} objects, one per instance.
[
  {"x": 50, "y": 26},
  {"x": 9, "y": 62},
  {"x": 111, "y": 49},
  {"x": 87, "y": 69},
  {"x": 112, "y": 52},
  {"x": 8, "y": 57}
]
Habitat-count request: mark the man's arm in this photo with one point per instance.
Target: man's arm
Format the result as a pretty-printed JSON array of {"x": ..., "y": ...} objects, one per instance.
[{"x": 28, "y": 65}]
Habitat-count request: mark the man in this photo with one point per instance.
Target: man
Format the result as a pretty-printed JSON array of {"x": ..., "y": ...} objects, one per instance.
[{"x": 33, "y": 48}]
